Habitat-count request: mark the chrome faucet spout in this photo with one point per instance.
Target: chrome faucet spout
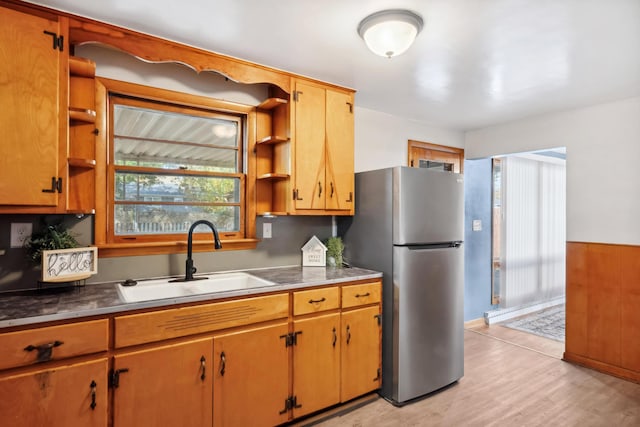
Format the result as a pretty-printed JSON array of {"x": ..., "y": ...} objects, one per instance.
[{"x": 189, "y": 268}]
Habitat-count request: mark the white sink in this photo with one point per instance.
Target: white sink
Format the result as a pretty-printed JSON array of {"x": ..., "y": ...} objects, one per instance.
[{"x": 147, "y": 290}]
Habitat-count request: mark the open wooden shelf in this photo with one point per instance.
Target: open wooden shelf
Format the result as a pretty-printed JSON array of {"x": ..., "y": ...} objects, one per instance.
[
  {"x": 82, "y": 163},
  {"x": 271, "y": 103},
  {"x": 274, "y": 176},
  {"x": 85, "y": 116},
  {"x": 273, "y": 140}
]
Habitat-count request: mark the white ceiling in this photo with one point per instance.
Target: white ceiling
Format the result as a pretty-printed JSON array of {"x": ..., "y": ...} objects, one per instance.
[{"x": 476, "y": 62}]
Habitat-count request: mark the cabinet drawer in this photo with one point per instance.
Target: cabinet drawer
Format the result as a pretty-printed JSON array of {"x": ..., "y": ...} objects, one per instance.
[
  {"x": 315, "y": 300},
  {"x": 180, "y": 322},
  {"x": 53, "y": 343},
  {"x": 355, "y": 295}
]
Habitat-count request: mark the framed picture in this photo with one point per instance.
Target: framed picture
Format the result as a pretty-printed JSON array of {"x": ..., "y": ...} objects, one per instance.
[{"x": 68, "y": 265}]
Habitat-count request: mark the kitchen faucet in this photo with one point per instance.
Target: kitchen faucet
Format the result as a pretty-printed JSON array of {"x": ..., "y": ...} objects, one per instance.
[{"x": 190, "y": 269}]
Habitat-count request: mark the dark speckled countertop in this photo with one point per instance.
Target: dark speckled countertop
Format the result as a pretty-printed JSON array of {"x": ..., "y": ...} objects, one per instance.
[{"x": 45, "y": 305}]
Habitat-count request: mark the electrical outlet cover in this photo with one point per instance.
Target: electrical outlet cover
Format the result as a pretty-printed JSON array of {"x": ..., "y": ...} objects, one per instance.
[{"x": 20, "y": 232}]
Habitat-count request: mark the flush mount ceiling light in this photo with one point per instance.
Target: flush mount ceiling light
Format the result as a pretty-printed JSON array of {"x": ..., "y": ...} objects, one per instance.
[{"x": 390, "y": 32}]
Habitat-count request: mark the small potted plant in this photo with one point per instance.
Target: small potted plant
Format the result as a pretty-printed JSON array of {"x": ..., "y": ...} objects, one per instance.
[
  {"x": 49, "y": 238},
  {"x": 335, "y": 247}
]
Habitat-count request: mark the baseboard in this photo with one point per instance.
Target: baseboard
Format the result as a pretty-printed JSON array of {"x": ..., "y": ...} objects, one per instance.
[
  {"x": 502, "y": 314},
  {"x": 475, "y": 323},
  {"x": 616, "y": 371}
]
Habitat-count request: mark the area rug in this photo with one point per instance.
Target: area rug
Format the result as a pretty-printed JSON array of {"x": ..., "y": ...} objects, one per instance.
[{"x": 548, "y": 323}]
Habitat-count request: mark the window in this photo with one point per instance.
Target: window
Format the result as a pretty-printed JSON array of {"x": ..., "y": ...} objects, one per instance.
[{"x": 171, "y": 163}]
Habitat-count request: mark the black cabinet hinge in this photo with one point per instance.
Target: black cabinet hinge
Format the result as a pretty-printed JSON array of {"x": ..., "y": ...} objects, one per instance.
[
  {"x": 56, "y": 185},
  {"x": 290, "y": 403},
  {"x": 58, "y": 41},
  {"x": 114, "y": 377},
  {"x": 291, "y": 339}
]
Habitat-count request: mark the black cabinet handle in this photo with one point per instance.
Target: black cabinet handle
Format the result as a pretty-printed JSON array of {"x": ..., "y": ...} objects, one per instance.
[
  {"x": 203, "y": 367},
  {"x": 45, "y": 351},
  {"x": 350, "y": 199},
  {"x": 316, "y": 301},
  {"x": 362, "y": 295},
  {"x": 331, "y": 183},
  {"x": 348, "y": 334},
  {"x": 335, "y": 337},
  {"x": 319, "y": 189},
  {"x": 93, "y": 386},
  {"x": 223, "y": 363}
]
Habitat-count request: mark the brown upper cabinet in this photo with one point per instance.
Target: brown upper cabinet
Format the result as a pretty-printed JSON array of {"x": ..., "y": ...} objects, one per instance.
[
  {"x": 300, "y": 162},
  {"x": 33, "y": 175},
  {"x": 324, "y": 149}
]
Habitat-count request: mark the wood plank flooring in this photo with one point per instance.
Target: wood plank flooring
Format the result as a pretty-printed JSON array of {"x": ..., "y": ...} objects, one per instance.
[{"x": 507, "y": 384}]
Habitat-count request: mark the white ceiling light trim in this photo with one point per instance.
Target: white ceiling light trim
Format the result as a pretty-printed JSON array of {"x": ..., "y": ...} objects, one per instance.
[{"x": 390, "y": 32}]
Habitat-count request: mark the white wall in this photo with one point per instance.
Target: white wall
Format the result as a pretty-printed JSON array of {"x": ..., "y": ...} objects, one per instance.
[
  {"x": 381, "y": 139},
  {"x": 603, "y": 164},
  {"x": 117, "y": 65}
]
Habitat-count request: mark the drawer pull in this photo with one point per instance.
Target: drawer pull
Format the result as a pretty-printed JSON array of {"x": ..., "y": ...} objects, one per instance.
[
  {"x": 223, "y": 363},
  {"x": 335, "y": 337},
  {"x": 316, "y": 301},
  {"x": 348, "y": 334},
  {"x": 93, "y": 386},
  {"x": 362, "y": 295},
  {"x": 44, "y": 350},
  {"x": 204, "y": 368}
]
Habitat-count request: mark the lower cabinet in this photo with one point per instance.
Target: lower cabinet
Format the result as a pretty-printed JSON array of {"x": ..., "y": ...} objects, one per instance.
[
  {"x": 65, "y": 396},
  {"x": 262, "y": 361},
  {"x": 168, "y": 385},
  {"x": 361, "y": 352},
  {"x": 251, "y": 385}
]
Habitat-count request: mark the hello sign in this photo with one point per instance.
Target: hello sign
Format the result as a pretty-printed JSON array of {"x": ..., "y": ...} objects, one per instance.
[{"x": 67, "y": 265}]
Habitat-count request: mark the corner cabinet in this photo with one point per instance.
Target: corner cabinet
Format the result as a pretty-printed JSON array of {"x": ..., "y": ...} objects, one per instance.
[
  {"x": 55, "y": 376},
  {"x": 324, "y": 149},
  {"x": 32, "y": 111}
]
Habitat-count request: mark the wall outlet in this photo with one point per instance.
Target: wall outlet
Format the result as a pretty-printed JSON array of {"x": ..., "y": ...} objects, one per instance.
[
  {"x": 20, "y": 232},
  {"x": 266, "y": 230},
  {"x": 477, "y": 225}
]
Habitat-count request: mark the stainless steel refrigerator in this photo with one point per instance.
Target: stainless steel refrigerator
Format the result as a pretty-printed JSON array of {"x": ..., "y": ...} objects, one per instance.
[{"x": 408, "y": 224}]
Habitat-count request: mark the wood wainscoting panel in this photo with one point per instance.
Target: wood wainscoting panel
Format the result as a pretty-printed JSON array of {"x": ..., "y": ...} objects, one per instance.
[
  {"x": 603, "y": 304},
  {"x": 630, "y": 308},
  {"x": 576, "y": 299},
  {"x": 603, "y": 307}
]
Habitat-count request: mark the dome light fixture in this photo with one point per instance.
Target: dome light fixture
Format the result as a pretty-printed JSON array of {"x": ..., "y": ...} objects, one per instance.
[{"x": 390, "y": 32}]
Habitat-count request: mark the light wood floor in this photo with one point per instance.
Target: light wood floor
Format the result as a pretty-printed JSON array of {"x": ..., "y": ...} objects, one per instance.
[{"x": 507, "y": 384}]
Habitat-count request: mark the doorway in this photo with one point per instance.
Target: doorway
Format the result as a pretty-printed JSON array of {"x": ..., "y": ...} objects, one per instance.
[
  {"x": 528, "y": 235},
  {"x": 434, "y": 156}
]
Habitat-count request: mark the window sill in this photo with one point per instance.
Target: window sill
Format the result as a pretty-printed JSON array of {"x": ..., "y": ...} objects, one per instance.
[{"x": 110, "y": 250}]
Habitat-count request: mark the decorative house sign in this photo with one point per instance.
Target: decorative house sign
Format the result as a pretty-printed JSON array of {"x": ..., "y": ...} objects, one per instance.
[
  {"x": 314, "y": 253},
  {"x": 68, "y": 265}
]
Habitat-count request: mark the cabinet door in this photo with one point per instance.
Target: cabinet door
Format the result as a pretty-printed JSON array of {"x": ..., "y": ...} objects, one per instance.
[
  {"x": 251, "y": 384},
  {"x": 29, "y": 109},
  {"x": 310, "y": 146},
  {"x": 316, "y": 363},
  {"x": 64, "y": 396},
  {"x": 339, "y": 151},
  {"x": 360, "y": 352},
  {"x": 165, "y": 386}
]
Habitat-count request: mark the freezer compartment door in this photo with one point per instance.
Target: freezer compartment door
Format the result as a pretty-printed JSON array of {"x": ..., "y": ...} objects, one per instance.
[
  {"x": 428, "y": 319},
  {"x": 429, "y": 206}
]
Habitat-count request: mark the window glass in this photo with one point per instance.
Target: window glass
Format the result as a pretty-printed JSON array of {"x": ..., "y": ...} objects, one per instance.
[{"x": 172, "y": 166}]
